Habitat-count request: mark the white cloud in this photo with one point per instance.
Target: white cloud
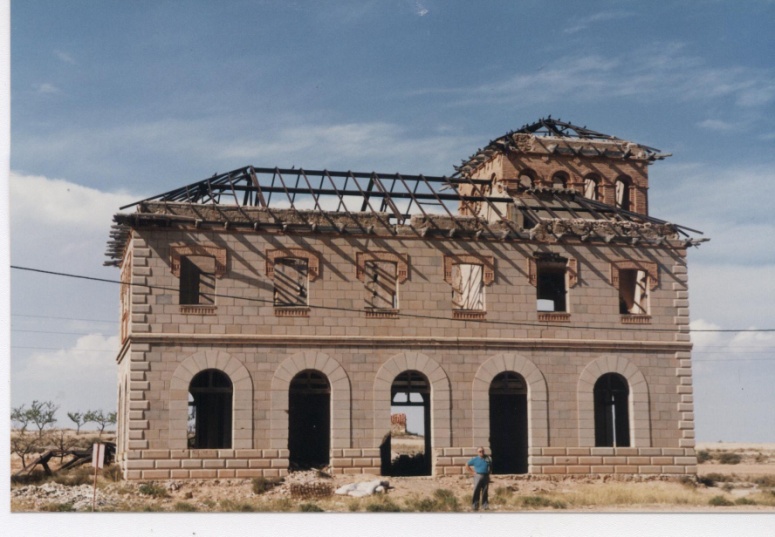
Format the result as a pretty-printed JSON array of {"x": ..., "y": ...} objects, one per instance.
[
  {"x": 585, "y": 22},
  {"x": 659, "y": 71},
  {"x": 64, "y": 56},
  {"x": 718, "y": 125},
  {"x": 46, "y": 88},
  {"x": 80, "y": 377}
]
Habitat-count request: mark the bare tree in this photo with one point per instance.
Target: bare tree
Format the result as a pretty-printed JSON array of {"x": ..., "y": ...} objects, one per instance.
[
  {"x": 79, "y": 418},
  {"x": 101, "y": 419},
  {"x": 43, "y": 415}
]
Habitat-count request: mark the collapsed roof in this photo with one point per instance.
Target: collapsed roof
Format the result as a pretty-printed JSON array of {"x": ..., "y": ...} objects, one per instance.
[
  {"x": 549, "y": 136},
  {"x": 297, "y": 200}
]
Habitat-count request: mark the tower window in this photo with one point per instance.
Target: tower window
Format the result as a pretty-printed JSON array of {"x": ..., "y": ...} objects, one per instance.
[{"x": 197, "y": 279}]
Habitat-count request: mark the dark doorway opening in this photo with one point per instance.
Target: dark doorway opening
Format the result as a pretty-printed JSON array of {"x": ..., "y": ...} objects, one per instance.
[
  {"x": 309, "y": 420},
  {"x": 612, "y": 419},
  {"x": 508, "y": 423},
  {"x": 209, "y": 410},
  {"x": 408, "y": 453}
]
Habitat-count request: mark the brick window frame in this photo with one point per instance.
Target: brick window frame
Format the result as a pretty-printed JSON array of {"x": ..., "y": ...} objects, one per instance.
[
  {"x": 402, "y": 274},
  {"x": 651, "y": 269},
  {"x": 180, "y": 251},
  {"x": 572, "y": 279},
  {"x": 313, "y": 271},
  {"x": 488, "y": 277}
]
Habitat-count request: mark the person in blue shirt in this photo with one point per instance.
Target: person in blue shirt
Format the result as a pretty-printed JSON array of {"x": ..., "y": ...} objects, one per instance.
[{"x": 480, "y": 466}]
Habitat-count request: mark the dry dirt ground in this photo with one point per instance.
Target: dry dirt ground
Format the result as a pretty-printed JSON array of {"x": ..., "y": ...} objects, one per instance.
[{"x": 745, "y": 486}]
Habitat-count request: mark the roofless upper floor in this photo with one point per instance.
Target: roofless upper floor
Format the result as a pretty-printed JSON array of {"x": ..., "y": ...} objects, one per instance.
[{"x": 548, "y": 181}]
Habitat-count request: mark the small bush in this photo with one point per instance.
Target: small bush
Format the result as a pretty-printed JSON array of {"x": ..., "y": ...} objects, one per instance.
[
  {"x": 536, "y": 501},
  {"x": 760, "y": 458},
  {"x": 153, "y": 490},
  {"x": 58, "y": 507},
  {"x": 711, "y": 479},
  {"x": 113, "y": 473},
  {"x": 236, "y": 507},
  {"x": 727, "y": 487},
  {"x": 502, "y": 494},
  {"x": 75, "y": 477},
  {"x": 744, "y": 501},
  {"x": 310, "y": 508},
  {"x": 765, "y": 481},
  {"x": 719, "y": 501},
  {"x": 185, "y": 507},
  {"x": 33, "y": 478},
  {"x": 383, "y": 506},
  {"x": 265, "y": 484},
  {"x": 729, "y": 458},
  {"x": 704, "y": 456},
  {"x": 354, "y": 506}
]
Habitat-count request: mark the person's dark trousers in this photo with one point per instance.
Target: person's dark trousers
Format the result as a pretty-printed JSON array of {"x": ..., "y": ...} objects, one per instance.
[{"x": 481, "y": 485}]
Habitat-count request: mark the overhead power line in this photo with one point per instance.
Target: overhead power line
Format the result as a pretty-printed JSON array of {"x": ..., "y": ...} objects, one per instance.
[{"x": 401, "y": 314}]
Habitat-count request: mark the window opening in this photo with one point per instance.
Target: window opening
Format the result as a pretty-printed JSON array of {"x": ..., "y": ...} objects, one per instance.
[
  {"x": 468, "y": 287},
  {"x": 591, "y": 187},
  {"x": 408, "y": 453},
  {"x": 197, "y": 279},
  {"x": 209, "y": 410},
  {"x": 622, "y": 187},
  {"x": 291, "y": 282},
  {"x": 508, "y": 423},
  {"x": 309, "y": 420},
  {"x": 381, "y": 285},
  {"x": 559, "y": 180},
  {"x": 551, "y": 285},
  {"x": 612, "y": 422},
  {"x": 526, "y": 179},
  {"x": 633, "y": 292}
]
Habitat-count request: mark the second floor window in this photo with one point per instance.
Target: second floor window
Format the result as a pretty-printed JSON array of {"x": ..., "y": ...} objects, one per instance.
[
  {"x": 381, "y": 285},
  {"x": 551, "y": 285},
  {"x": 197, "y": 280},
  {"x": 467, "y": 287},
  {"x": 291, "y": 282}
]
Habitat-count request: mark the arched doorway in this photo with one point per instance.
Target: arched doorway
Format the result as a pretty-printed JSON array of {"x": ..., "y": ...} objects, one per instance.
[
  {"x": 209, "y": 410},
  {"x": 612, "y": 414},
  {"x": 407, "y": 450},
  {"x": 309, "y": 420},
  {"x": 508, "y": 423}
]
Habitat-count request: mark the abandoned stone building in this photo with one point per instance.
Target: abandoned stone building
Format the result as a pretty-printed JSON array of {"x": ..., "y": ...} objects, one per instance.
[{"x": 274, "y": 319}]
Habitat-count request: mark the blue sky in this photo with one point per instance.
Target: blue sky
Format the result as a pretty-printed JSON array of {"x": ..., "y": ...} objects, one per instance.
[{"x": 112, "y": 102}]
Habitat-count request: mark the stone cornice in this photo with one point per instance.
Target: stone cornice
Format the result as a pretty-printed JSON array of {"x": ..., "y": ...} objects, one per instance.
[{"x": 408, "y": 342}]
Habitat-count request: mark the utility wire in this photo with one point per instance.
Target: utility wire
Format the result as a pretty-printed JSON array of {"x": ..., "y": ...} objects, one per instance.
[{"x": 401, "y": 314}]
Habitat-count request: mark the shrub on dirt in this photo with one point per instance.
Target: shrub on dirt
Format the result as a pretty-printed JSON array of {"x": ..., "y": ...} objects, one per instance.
[
  {"x": 236, "y": 507},
  {"x": 75, "y": 477},
  {"x": 765, "y": 481},
  {"x": 744, "y": 501},
  {"x": 704, "y": 456},
  {"x": 264, "y": 484},
  {"x": 382, "y": 505},
  {"x": 153, "y": 489},
  {"x": 711, "y": 479},
  {"x": 66, "y": 507},
  {"x": 310, "y": 508},
  {"x": 719, "y": 501},
  {"x": 113, "y": 473},
  {"x": 726, "y": 457},
  {"x": 32, "y": 478},
  {"x": 502, "y": 494},
  {"x": 185, "y": 507},
  {"x": 536, "y": 501}
]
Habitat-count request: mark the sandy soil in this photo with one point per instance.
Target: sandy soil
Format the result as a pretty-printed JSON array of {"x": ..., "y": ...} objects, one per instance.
[{"x": 753, "y": 477}]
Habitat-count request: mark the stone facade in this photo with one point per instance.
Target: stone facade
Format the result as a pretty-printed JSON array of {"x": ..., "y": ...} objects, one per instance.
[{"x": 262, "y": 348}]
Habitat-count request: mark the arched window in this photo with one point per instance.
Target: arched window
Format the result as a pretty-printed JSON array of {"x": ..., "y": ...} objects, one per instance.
[
  {"x": 623, "y": 193},
  {"x": 209, "y": 416},
  {"x": 409, "y": 452},
  {"x": 527, "y": 178},
  {"x": 612, "y": 411},
  {"x": 560, "y": 180},
  {"x": 591, "y": 187}
]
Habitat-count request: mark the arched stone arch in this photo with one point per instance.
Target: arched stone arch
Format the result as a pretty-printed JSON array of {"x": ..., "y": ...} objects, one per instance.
[
  {"x": 537, "y": 398},
  {"x": 242, "y": 404},
  {"x": 441, "y": 421},
  {"x": 341, "y": 399},
  {"x": 640, "y": 420}
]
